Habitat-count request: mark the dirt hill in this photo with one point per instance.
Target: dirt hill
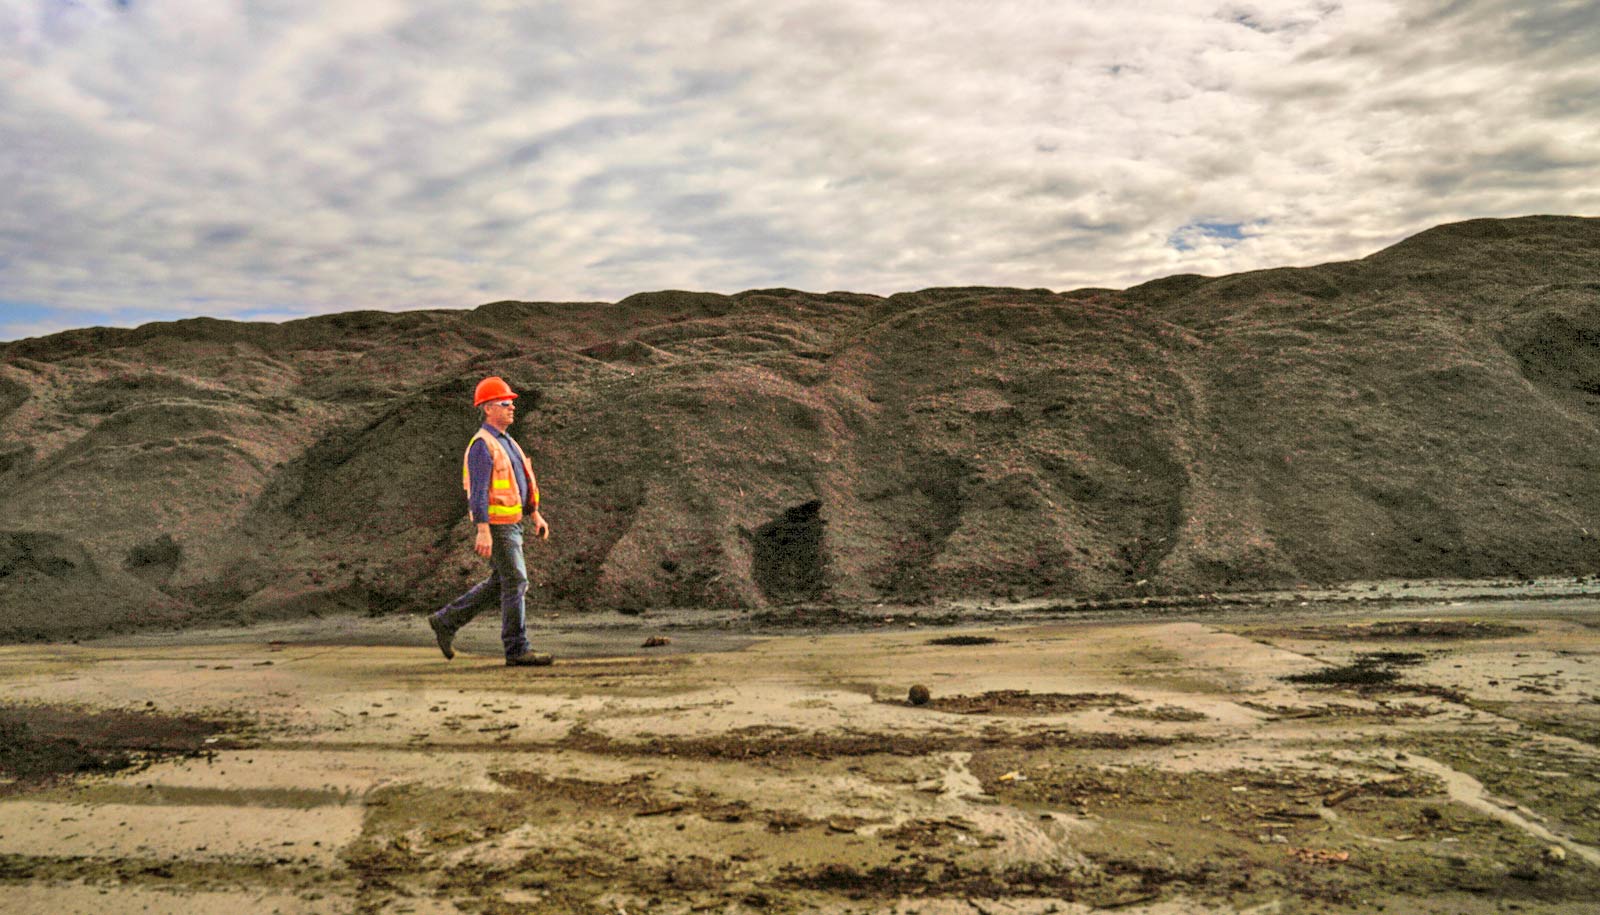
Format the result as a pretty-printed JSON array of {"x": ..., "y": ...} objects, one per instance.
[{"x": 1430, "y": 410}]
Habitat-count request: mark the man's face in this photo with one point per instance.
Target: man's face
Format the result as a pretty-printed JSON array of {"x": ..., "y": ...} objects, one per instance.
[{"x": 501, "y": 413}]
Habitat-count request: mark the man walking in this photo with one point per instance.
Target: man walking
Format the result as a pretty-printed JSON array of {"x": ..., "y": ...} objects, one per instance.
[{"x": 501, "y": 491}]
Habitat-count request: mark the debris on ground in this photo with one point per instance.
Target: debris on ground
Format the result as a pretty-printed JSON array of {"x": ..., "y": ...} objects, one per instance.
[
  {"x": 1319, "y": 855},
  {"x": 964, "y": 640},
  {"x": 1025, "y": 702}
]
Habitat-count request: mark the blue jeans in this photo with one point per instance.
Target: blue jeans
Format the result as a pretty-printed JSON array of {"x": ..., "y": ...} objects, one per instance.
[{"x": 509, "y": 575}]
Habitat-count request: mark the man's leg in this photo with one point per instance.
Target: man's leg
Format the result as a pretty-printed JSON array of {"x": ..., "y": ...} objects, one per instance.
[
  {"x": 512, "y": 570},
  {"x": 460, "y": 611}
]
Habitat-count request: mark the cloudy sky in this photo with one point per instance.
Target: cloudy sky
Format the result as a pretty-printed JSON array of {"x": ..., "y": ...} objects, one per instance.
[{"x": 268, "y": 159}]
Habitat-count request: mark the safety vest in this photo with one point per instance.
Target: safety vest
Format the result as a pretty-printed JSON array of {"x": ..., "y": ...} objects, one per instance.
[{"x": 505, "y": 501}]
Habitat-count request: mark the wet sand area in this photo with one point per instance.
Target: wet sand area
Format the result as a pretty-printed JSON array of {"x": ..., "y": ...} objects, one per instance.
[{"x": 1439, "y": 759}]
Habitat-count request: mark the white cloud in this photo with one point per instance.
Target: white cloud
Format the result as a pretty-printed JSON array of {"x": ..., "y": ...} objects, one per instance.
[{"x": 302, "y": 157}]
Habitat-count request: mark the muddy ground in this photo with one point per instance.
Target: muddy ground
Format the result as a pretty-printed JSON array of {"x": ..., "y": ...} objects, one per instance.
[{"x": 1426, "y": 757}]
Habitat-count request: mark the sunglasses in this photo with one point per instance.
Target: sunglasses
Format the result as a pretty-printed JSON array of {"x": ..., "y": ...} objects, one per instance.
[{"x": 503, "y": 403}]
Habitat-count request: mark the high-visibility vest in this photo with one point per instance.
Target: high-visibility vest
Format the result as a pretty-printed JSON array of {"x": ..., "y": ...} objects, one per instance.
[{"x": 505, "y": 500}]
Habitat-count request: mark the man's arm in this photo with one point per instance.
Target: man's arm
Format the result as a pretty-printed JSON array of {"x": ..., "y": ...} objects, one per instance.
[
  {"x": 480, "y": 467},
  {"x": 540, "y": 528}
]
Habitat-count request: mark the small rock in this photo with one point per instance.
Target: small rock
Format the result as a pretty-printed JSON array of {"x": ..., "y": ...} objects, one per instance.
[
  {"x": 656, "y": 641},
  {"x": 919, "y": 695},
  {"x": 1555, "y": 854}
]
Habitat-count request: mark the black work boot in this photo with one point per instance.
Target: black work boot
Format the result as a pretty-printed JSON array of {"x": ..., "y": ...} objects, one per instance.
[
  {"x": 444, "y": 637},
  {"x": 530, "y": 659}
]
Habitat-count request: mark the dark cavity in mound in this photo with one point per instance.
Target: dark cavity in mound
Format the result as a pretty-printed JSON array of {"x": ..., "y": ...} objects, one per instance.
[
  {"x": 788, "y": 563},
  {"x": 161, "y": 551}
]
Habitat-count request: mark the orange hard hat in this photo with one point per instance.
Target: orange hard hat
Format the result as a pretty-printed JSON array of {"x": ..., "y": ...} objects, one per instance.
[{"x": 492, "y": 388}]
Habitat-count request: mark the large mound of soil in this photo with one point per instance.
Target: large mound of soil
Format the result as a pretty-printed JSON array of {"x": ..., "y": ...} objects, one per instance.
[{"x": 1431, "y": 410}]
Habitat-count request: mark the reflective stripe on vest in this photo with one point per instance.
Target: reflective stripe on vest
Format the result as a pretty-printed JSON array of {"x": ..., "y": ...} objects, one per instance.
[{"x": 505, "y": 501}]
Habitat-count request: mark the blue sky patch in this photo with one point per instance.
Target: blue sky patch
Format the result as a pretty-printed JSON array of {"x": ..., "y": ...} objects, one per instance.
[
  {"x": 1188, "y": 237},
  {"x": 11, "y": 312},
  {"x": 26, "y": 319},
  {"x": 19, "y": 320}
]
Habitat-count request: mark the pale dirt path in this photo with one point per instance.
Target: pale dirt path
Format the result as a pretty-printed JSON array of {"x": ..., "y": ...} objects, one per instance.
[{"x": 1176, "y": 773}]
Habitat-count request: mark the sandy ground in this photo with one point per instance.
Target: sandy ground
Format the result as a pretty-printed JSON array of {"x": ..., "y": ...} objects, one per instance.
[{"x": 1160, "y": 766}]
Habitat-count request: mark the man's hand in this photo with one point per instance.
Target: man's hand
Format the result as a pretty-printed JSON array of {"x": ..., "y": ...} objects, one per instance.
[
  {"x": 485, "y": 543},
  {"x": 540, "y": 528}
]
